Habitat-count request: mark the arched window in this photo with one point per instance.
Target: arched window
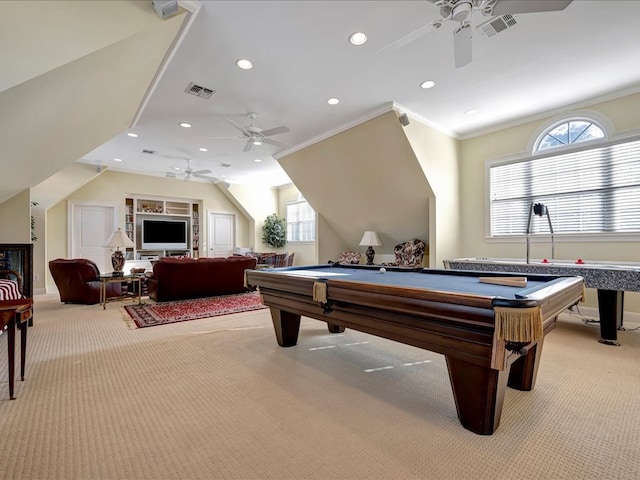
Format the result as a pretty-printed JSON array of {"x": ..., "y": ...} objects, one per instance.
[
  {"x": 569, "y": 132},
  {"x": 590, "y": 184}
]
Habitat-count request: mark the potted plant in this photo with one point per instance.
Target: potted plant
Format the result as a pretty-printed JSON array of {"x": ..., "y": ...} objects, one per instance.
[{"x": 274, "y": 231}]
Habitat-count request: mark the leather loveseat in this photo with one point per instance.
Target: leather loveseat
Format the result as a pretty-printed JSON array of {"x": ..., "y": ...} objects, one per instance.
[
  {"x": 77, "y": 281},
  {"x": 181, "y": 278}
]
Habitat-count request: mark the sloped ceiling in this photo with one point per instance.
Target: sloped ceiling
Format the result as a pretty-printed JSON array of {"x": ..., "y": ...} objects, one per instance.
[
  {"x": 371, "y": 170},
  {"x": 61, "y": 97}
]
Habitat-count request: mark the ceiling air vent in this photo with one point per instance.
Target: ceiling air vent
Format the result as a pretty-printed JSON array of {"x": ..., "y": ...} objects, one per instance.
[
  {"x": 199, "y": 91},
  {"x": 496, "y": 25},
  {"x": 150, "y": 152}
]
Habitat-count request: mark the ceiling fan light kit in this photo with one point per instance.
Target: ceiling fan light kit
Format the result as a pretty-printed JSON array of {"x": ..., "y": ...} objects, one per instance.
[
  {"x": 256, "y": 136},
  {"x": 461, "y": 11}
]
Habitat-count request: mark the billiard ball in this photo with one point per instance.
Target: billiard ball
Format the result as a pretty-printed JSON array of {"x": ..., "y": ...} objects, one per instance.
[{"x": 382, "y": 270}]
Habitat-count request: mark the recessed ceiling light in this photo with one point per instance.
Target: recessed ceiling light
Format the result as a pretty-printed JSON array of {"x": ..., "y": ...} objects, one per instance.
[
  {"x": 244, "y": 64},
  {"x": 471, "y": 112},
  {"x": 185, "y": 125},
  {"x": 257, "y": 160},
  {"x": 131, "y": 134},
  {"x": 428, "y": 84},
  {"x": 202, "y": 149},
  {"x": 333, "y": 101},
  {"x": 357, "y": 38},
  {"x": 117, "y": 159}
]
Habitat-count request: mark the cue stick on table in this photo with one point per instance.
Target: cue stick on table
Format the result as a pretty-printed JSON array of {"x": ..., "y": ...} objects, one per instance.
[{"x": 508, "y": 281}]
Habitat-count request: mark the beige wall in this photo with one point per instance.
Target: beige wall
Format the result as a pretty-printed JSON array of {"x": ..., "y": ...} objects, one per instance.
[
  {"x": 305, "y": 252},
  {"x": 61, "y": 98},
  {"x": 365, "y": 178},
  {"x": 512, "y": 142},
  {"x": 438, "y": 157},
  {"x": 258, "y": 202},
  {"x": 113, "y": 187},
  {"x": 15, "y": 219}
]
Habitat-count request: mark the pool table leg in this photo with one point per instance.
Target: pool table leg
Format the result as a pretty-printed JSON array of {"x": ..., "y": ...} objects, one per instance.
[
  {"x": 478, "y": 393},
  {"x": 524, "y": 370},
  {"x": 335, "y": 328},
  {"x": 286, "y": 326}
]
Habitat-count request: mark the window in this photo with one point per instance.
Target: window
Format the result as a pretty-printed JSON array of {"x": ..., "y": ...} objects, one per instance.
[
  {"x": 301, "y": 222},
  {"x": 592, "y": 190},
  {"x": 569, "y": 132}
]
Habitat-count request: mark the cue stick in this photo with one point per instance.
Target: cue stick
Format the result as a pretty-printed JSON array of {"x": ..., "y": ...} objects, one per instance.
[{"x": 508, "y": 281}]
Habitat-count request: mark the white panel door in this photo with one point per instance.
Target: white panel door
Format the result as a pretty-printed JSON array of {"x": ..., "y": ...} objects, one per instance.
[
  {"x": 91, "y": 226},
  {"x": 222, "y": 232}
]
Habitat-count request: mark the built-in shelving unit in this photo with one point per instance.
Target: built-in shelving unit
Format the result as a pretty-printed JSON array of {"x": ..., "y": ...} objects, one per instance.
[
  {"x": 129, "y": 227},
  {"x": 138, "y": 208},
  {"x": 195, "y": 230}
]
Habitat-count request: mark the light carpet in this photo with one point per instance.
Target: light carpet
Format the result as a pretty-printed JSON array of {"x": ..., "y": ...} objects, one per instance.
[
  {"x": 152, "y": 314},
  {"x": 217, "y": 398}
]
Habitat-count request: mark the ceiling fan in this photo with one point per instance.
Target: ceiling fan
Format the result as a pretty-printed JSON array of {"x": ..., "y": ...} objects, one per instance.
[
  {"x": 256, "y": 136},
  {"x": 189, "y": 172},
  {"x": 461, "y": 11}
]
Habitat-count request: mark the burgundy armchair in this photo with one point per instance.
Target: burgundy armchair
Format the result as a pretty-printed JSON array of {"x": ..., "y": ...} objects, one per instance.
[{"x": 78, "y": 281}]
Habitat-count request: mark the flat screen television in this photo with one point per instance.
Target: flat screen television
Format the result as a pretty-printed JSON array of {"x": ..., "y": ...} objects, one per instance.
[{"x": 164, "y": 234}]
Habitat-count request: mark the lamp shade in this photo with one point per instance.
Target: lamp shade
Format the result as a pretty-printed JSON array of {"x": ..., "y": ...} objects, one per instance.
[
  {"x": 371, "y": 239},
  {"x": 118, "y": 239}
]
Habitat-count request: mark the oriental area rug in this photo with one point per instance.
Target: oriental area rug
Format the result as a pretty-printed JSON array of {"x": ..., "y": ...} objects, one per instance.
[{"x": 149, "y": 315}]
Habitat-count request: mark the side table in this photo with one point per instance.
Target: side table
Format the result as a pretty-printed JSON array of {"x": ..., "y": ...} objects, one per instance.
[
  {"x": 16, "y": 313},
  {"x": 135, "y": 279}
]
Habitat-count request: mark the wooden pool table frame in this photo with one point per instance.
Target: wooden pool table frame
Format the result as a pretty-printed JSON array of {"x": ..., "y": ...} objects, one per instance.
[{"x": 459, "y": 326}]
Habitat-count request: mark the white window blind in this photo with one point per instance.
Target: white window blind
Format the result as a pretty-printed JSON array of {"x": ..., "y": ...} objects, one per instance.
[
  {"x": 301, "y": 222},
  {"x": 593, "y": 190}
]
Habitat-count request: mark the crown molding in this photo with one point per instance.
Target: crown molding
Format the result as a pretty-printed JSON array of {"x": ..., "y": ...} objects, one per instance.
[{"x": 387, "y": 107}]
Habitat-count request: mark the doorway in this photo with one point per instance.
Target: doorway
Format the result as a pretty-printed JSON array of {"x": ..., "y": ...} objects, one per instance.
[
  {"x": 221, "y": 235},
  {"x": 90, "y": 226}
]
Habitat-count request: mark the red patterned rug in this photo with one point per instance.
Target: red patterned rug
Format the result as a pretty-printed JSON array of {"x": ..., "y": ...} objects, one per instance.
[{"x": 149, "y": 315}]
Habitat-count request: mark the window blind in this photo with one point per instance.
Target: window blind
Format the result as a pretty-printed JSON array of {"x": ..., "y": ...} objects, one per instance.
[
  {"x": 301, "y": 222},
  {"x": 592, "y": 190}
]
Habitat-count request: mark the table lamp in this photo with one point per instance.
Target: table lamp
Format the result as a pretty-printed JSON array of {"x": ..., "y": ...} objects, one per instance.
[
  {"x": 118, "y": 239},
  {"x": 371, "y": 239}
]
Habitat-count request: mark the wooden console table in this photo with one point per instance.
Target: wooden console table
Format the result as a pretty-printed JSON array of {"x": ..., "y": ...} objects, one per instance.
[{"x": 16, "y": 313}]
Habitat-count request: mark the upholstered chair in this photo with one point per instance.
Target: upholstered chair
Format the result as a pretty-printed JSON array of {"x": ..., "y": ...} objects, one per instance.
[
  {"x": 410, "y": 253},
  {"x": 276, "y": 259},
  {"x": 348, "y": 257},
  {"x": 78, "y": 281}
]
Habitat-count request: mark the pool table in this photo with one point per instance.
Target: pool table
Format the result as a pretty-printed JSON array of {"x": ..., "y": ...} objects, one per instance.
[
  {"x": 491, "y": 335},
  {"x": 611, "y": 279}
]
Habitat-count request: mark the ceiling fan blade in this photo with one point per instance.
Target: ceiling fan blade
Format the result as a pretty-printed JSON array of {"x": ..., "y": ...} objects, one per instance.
[
  {"x": 173, "y": 157},
  {"x": 413, "y": 36},
  {"x": 200, "y": 172},
  {"x": 237, "y": 125},
  {"x": 462, "y": 45},
  {"x": 530, "y": 6},
  {"x": 271, "y": 141},
  {"x": 275, "y": 131},
  {"x": 248, "y": 146}
]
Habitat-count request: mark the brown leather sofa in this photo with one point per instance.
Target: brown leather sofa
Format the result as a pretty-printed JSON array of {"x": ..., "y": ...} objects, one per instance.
[
  {"x": 181, "y": 278},
  {"x": 77, "y": 281}
]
